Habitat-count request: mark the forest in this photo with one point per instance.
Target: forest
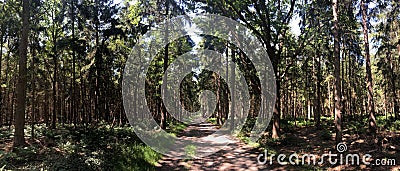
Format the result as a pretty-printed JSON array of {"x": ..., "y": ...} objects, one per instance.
[{"x": 65, "y": 103}]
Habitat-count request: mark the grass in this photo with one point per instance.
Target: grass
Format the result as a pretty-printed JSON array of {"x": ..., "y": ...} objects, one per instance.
[
  {"x": 69, "y": 148},
  {"x": 212, "y": 120},
  {"x": 108, "y": 148},
  {"x": 81, "y": 148},
  {"x": 175, "y": 127}
]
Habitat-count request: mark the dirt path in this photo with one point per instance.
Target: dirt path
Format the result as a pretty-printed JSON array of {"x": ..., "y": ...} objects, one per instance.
[{"x": 236, "y": 156}]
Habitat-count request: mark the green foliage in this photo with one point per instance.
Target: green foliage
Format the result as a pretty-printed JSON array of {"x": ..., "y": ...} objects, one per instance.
[
  {"x": 357, "y": 127},
  {"x": 212, "y": 120},
  {"x": 325, "y": 135},
  {"x": 248, "y": 125},
  {"x": 175, "y": 127},
  {"x": 190, "y": 150},
  {"x": 5, "y": 133},
  {"x": 131, "y": 157},
  {"x": 396, "y": 126},
  {"x": 92, "y": 41},
  {"x": 75, "y": 148}
]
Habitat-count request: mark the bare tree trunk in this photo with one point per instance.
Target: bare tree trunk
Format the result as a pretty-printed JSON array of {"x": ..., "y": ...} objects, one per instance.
[
  {"x": 393, "y": 88},
  {"x": 226, "y": 104},
  {"x": 34, "y": 95},
  {"x": 19, "y": 139},
  {"x": 337, "y": 86},
  {"x": 276, "y": 114},
  {"x": 98, "y": 58},
  {"x": 46, "y": 106},
  {"x": 1, "y": 75},
  {"x": 74, "y": 117},
  {"x": 392, "y": 80},
  {"x": 319, "y": 94},
  {"x": 232, "y": 80},
  {"x": 12, "y": 100},
  {"x": 163, "y": 111},
  {"x": 371, "y": 105},
  {"x": 55, "y": 76},
  {"x": 7, "y": 91}
]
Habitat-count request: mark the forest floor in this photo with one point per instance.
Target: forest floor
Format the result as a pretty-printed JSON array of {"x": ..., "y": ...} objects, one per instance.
[
  {"x": 104, "y": 147},
  {"x": 235, "y": 156},
  {"x": 302, "y": 140}
]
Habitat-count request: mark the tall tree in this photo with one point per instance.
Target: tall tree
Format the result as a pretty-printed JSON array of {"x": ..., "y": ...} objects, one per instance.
[
  {"x": 370, "y": 93},
  {"x": 2, "y": 30},
  {"x": 53, "y": 7},
  {"x": 19, "y": 139},
  {"x": 336, "y": 56},
  {"x": 163, "y": 123}
]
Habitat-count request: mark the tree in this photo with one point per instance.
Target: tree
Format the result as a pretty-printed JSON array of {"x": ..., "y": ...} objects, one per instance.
[
  {"x": 54, "y": 31},
  {"x": 370, "y": 93},
  {"x": 336, "y": 55},
  {"x": 387, "y": 45},
  {"x": 268, "y": 20},
  {"x": 163, "y": 123},
  {"x": 19, "y": 139}
]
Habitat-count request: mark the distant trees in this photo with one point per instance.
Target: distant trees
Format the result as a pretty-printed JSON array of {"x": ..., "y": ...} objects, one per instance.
[
  {"x": 74, "y": 54},
  {"x": 386, "y": 42}
]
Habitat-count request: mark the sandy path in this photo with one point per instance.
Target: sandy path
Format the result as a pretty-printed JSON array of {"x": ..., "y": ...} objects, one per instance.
[{"x": 236, "y": 156}]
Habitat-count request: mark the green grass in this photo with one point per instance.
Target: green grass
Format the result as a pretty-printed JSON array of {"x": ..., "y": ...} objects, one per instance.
[
  {"x": 212, "y": 120},
  {"x": 386, "y": 122},
  {"x": 67, "y": 148},
  {"x": 175, "y": 127}
]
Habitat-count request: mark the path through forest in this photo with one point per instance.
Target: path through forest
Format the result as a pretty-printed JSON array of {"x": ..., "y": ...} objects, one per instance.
[
  {"x": 236, "y": 156},
  {"x": 240, "y": 156}
]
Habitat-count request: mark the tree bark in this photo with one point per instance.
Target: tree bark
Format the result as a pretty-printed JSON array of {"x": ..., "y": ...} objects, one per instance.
[
  {"x": 319, "y": 94},
  {"x": 392, "y": 77},
  {"x": 55, "y": 76},
  {"x": 393, "y": 87},
  {"x": 74, "y": 117},
  {"x": 19, "y": 139},
  {"x": 1, "y": 82},
  {"x": 337, "y": 86},
  {"x": 232, "y": 80},
  {"x": 370, "y": 94},
  {"x": 276, "y": 114},
  {"x": 163, "y": 123}
]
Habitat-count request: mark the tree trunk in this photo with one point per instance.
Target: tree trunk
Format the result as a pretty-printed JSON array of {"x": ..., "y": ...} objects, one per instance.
[
  {"x": 6, "y": 98},
  {"x": 74, "y": 117},
  {"x": 337, "y": 86},
  {"x": 163, "y": 111},
  {"x": 392, "y": 79},
  {"x": 19, "y": 139},
  {"x": 34, "y": 95},
  {"x": 55, "y": 82},
  {"x": 226, "y": 99},
  {"x": 276, "y": 114},
  {"x": 98, "y": 63},
  {"x": 232, "y": 80},
  {"x": 319, "y": 94},
  {"x": 371, "y": 105},
  {"x": 393, "y": 87},
  {"x": 1, "y": 75}
]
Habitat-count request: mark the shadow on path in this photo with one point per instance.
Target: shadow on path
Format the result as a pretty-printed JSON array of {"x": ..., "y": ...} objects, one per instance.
[{"x": 236, "y": 156}]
